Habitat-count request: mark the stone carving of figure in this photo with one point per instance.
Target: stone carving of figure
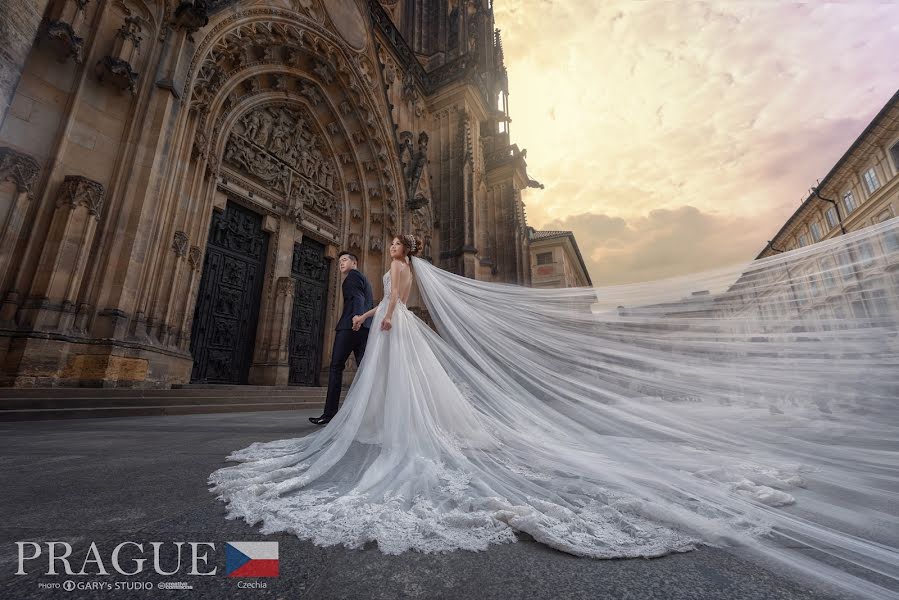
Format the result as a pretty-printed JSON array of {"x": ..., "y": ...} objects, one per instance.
[
  {"x": 326, "y": 176},
  {"x": 280, "y": 134},
  {"x": 294, "y": 146},
  {"x": 305, "y": 165},
  {"x": 454, "y": 27},
  {"x": 239, "y": 155},
  {"x": 317, "y": 160},
  {"x": 409, "y": 92},
  {"x": 220, "y": 232},
  {"x": 389, "y": 73},
  {"x": 301, "y": 132},
  {"x": 251, "y": 124},
  {"x": 281, "y": 179},
  {"x": 265, "y": 128}
]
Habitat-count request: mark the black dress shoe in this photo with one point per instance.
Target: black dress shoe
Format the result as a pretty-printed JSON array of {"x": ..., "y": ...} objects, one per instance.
[{"x": 322, "y": 420}]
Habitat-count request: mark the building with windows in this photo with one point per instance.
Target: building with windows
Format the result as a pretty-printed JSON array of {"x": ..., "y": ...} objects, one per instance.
[
  {"x": 556, "y": 260},
  {"x": 858, "y": 280},
  {"x": 860, "y": 190},
  {"x": 177, "y": 178}
]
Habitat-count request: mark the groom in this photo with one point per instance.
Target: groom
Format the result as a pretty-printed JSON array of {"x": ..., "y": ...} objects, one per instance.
[{"x": 358, "y": 298}]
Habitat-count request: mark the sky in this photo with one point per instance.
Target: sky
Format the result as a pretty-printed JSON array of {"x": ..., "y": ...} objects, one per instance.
[{"x": 677, "y": 136}]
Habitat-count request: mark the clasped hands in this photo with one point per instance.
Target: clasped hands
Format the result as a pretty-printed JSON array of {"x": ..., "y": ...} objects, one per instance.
[{"x": 359, "y": 319}]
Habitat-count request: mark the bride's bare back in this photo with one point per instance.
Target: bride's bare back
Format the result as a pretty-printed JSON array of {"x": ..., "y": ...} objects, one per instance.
[{"x": 404, "y": 285}]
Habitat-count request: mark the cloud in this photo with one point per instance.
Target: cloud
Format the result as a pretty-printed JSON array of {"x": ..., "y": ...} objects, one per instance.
[
  {"x": 661, "y": 243},
  {"x": 732, "y": 108}
]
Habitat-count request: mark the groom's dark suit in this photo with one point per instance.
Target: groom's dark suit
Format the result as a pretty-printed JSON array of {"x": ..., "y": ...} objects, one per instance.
[{"x": 358, "y": 298}]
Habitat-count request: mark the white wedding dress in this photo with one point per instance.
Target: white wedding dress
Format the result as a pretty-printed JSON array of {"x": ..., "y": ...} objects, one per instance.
[
  {"x": 601, "y": 433},
  {"x": 408, "y": 462}
]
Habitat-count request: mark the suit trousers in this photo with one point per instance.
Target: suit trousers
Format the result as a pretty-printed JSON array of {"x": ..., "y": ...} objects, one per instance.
[{"x": 346, "y": 341}]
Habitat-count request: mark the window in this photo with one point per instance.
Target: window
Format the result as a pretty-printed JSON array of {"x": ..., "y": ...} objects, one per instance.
[
  {"x": 879, "y": 300},
  {"x": 832, "y": 219},
  {"x": 871, "y": 181},
  {"x": 866, "y": 252},
  {"x": 891, "y": 241},
  {"x": 894, "y": 151},
  {"x": 816, "y": 231},
  {"x": 846, "y": 269},
  {"x": 849, "y": 202},
  {"x": 830, "y": 280},
  {"x": 813, "y": 285},
  {"x": 545, "y": 258},
  {"x": 803, "y": 240}
]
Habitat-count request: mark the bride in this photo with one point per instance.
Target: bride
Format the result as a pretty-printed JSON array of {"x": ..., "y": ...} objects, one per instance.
[{"x": 630, "y": 421}]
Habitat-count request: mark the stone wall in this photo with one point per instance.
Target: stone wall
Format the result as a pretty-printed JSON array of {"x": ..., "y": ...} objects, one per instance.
[
  {"x": 128, "y": 130},
  {"x": 18, "y": 28}
]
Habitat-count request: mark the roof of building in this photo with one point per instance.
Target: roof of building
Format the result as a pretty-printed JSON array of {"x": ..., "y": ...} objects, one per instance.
[
  {"x": 549, "y": 234},
  {"x": 880, "y": 116},
  {"x": 542, "y": 235}
]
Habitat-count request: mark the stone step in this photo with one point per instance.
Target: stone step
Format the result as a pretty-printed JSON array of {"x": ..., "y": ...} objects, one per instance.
[
  {"x": 204, "y": 391},
  {"x": 117, "y": 401},
  {"x": 64, "y": 403}
]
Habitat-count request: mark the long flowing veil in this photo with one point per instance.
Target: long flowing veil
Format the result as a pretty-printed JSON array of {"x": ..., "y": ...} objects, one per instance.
[
  {"x": 754, "y": 405},
  {"x": 751, "y": 408}
]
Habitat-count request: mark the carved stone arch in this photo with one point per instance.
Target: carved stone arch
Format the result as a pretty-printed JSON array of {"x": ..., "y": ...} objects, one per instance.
[
  {"x": 289, "y": 157},
  {"x": 294, "y": 36},
  {"x": 353, "y": 177}
]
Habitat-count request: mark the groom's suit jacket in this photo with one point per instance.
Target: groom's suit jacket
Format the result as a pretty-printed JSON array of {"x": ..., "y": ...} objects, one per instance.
[{"x": 358, "y": 298}]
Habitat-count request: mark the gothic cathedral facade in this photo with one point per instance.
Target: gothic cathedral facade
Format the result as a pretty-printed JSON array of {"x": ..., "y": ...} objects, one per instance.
[{"x": 177, "y": 178}]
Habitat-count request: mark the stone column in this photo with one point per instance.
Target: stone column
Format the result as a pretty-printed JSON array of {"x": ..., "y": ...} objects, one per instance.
[
  {"x": 274, "y": 369},
  {"x": 22, "y": 171},
  {"x": 270, "y": 358},
  {"x": 51, "y": 301},
  {"x": 18, "y": 28}
]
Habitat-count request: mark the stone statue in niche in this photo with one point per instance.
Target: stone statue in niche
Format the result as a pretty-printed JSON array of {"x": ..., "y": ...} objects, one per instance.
[
  {"x": 415, "y": 168},
  {"x": 409, "y": 91},
  {"x": 453, "y": 38}
]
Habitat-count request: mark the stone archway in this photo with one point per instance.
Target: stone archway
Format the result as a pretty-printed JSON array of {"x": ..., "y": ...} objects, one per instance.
[{"x": 283, "y": 114}]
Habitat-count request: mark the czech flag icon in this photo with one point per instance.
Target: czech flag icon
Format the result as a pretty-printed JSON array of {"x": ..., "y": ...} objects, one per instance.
[{"x": 251, "y": 559}]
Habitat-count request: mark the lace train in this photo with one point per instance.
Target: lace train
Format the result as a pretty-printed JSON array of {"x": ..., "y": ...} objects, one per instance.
[{"x": 409, "y": 463}]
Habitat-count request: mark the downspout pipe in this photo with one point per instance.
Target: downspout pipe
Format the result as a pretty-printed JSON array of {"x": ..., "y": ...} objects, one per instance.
[{"x": 835, "y": 205}]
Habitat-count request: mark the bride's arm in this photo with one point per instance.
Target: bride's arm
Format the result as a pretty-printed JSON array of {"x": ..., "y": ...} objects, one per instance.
[
  {"x": 394, "y": 290},
  {"x": 394, "y": 298},
  {"x": 366, "y": 314}
]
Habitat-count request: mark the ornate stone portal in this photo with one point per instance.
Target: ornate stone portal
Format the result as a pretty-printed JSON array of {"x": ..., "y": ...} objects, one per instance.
[
  {"x": 188, "y": 229},
  {"x": 275, "y": 145}
]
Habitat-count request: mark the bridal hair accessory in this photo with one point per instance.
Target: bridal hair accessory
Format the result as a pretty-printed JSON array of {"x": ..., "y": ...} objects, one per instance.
[{"x": 411, "y": 240}]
